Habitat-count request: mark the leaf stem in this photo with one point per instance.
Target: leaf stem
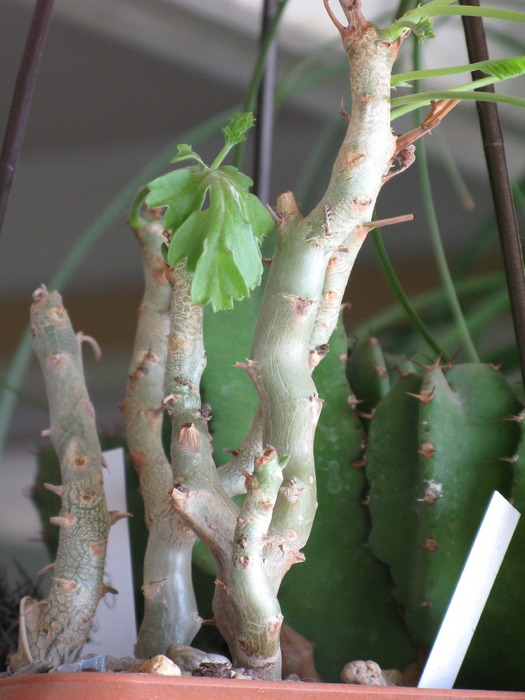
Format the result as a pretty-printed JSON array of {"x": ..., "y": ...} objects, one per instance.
[
  {"x": 437, "y": 242},
  {"x": 404, "y": 300}
]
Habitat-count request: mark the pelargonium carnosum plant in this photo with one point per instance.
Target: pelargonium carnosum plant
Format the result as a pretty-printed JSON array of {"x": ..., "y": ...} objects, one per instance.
[{"x": 200, "y": 230}]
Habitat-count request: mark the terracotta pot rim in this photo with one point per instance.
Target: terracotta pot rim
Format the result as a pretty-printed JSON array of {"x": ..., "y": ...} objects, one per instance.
[{"x": 218, "y": 688}]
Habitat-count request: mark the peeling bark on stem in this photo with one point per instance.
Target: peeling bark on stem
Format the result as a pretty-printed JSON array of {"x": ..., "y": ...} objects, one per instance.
[
  {"x": 170, "y": 609},
  {"x": 57, "y": 629}
]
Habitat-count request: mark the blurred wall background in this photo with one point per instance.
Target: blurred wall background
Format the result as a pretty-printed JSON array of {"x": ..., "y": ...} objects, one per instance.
[{"x": 121, "y": 81}]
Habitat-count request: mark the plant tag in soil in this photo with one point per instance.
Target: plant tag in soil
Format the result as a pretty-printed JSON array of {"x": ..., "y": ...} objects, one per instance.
[{"x": 470, "y": 596}]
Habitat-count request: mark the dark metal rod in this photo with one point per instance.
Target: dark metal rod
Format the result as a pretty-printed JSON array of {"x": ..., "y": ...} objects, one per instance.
[
  {"x": 494, "y": 148},
  {"x": 21, "y": 101},
  {"x": 264, "y": 127}
]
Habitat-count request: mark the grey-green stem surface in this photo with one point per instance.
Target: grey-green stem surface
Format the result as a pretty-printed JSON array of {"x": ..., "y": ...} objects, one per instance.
[
  {"x": 170, "y": 609},
  {"x": 56, "y": 629},
  {"x": 256, "y": 545},
  {"x": 310, "y": 267}
]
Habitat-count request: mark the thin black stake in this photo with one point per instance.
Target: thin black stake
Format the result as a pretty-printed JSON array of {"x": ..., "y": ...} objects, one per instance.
[
  {"x": 21, "y": 102},
  {"x": 494, "y": 148},
  {"x": 264, "y": 126}
]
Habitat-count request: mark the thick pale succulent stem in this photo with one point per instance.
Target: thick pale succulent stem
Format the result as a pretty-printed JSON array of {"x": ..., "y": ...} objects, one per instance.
[
  {"x": 245, "y": 606},
  {"x": 170, "y": 610},
  {"x": 57, "y": 629},
  {"x": 310, "y": 268},
  {"x": 197, "y": 493},
  {"x": 253, "y": 621},
  {"x": 360, "y": 168},
  {"x": 309, "y": 271},
  {"x": 232, "y": 475}
]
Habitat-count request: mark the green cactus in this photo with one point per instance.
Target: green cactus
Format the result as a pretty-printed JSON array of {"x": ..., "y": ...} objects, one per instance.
[
  {"x": 349, "y": 611},
  {"x": 495, "y": 657},
  {"x": 439, "y": 444},
  {"x": 371, "y": 373},
  {"x": 367, "y": 373}
]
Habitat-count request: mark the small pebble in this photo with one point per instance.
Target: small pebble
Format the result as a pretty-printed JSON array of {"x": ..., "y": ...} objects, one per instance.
[
  {"x": 158, "y": 665},
  {"x": 369, "y": 673}
]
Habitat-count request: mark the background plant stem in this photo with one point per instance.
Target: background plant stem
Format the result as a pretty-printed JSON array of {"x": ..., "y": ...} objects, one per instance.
[
  {"x": 250, "y": 100},
  {"x": 21, "y": 103},
  {"x": 435, "y": 237},
  {"x": 264, "y": 126},
  {"x": 403, "y": 297},
  {"x": 494, "y": 148},
  {"x": 440, "y": 257}
]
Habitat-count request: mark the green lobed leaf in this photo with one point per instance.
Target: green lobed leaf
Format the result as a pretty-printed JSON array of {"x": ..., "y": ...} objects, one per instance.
[
  {"x": 221, "y": 241},
  {"x": 423, "y": 28},
  {"x": 505, "y": 68},
  {"x": 418, "y": 20},
  {"x": 181, "y": 191},
  {"x": 186, "y": 152}
]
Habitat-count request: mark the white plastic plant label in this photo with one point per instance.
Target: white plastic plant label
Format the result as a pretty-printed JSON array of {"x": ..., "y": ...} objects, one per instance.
[{"x": 470, "y": 596}]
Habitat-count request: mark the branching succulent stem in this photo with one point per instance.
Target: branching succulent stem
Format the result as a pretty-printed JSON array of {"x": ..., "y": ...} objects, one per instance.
[
  {"x": 302, "y": 300},
  {"x": 170, "y": 610}
]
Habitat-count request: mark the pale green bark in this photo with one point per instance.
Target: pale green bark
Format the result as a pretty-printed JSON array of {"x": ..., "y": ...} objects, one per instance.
[
  {"x": 245, "y": 604},
  {"x": 255, "y": 545},
  {"x": 170, "y": 610},
  {"x": 245, "y": 607},
  {"x": 300, "y": 308},
  {"x": 310, "y": 267},
  {"x": 232, "y": 475},
  {"x": 56, "y": 629}
]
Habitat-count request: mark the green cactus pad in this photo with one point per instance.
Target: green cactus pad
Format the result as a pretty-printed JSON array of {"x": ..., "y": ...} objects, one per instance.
[
  {"x": 340, "y": 598},
  {"x": 433, "y": 461},
  {"x": 367, "y": 373},
  {"x": 495, "y": 657}
]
